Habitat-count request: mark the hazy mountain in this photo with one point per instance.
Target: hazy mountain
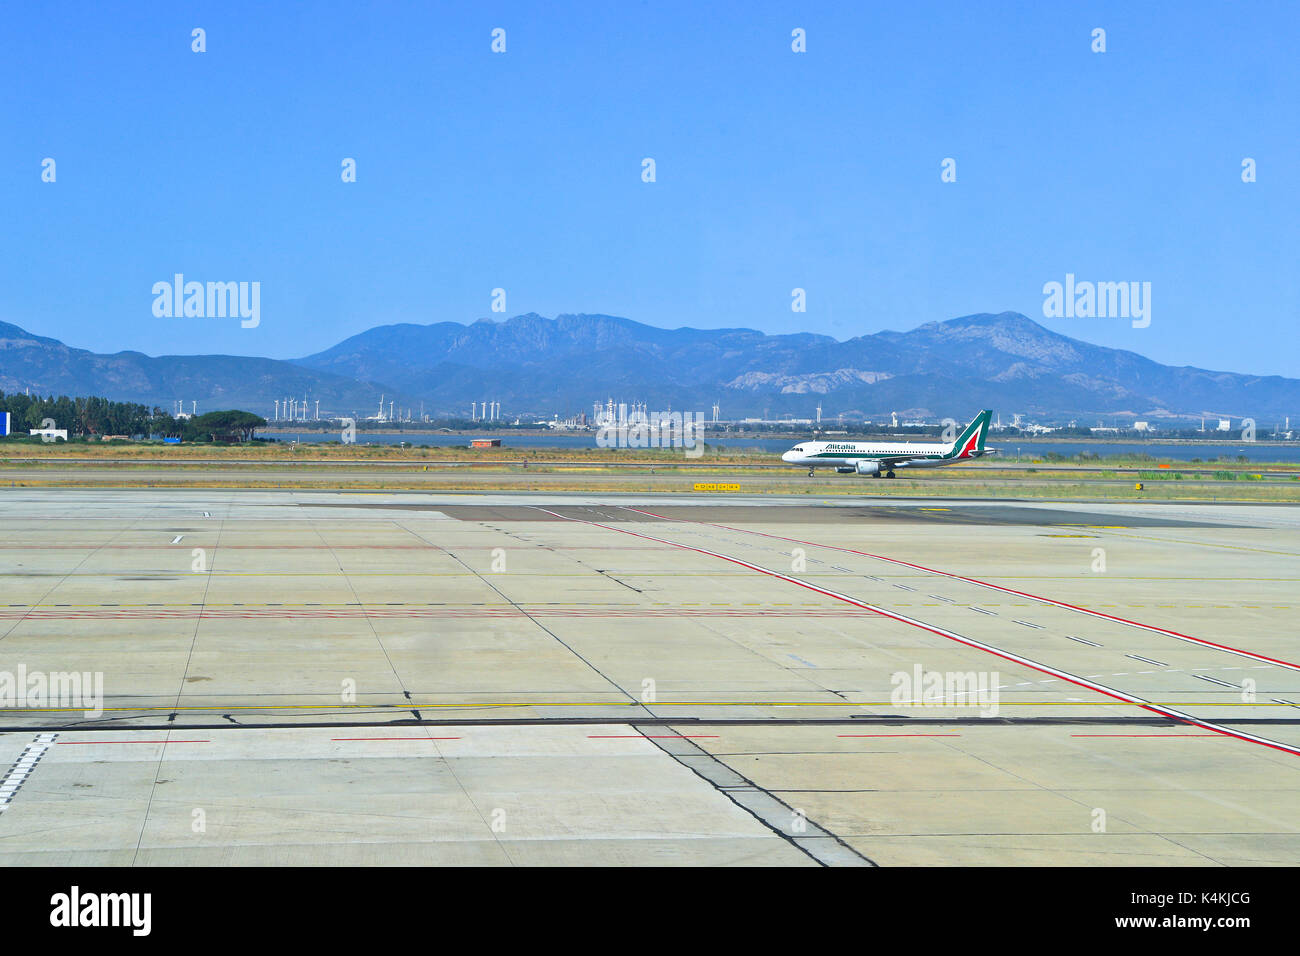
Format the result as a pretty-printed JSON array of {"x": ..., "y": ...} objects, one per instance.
[
  {"x": 536, "y": 366},
  {"x": 48, "y": 367}
]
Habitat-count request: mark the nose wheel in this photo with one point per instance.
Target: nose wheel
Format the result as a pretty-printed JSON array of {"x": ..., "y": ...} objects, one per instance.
[{"x": 810, "y": 472}]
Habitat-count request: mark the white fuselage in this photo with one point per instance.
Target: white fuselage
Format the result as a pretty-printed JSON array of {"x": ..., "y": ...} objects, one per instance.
[{"x": 847, "y": 454}]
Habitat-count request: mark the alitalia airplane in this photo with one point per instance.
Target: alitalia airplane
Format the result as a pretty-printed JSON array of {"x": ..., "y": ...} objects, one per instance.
[{"x": 880, "y": 459}]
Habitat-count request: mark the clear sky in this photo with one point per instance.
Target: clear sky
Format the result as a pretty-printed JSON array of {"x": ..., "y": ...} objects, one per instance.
[{"x": 775, "y": 170}]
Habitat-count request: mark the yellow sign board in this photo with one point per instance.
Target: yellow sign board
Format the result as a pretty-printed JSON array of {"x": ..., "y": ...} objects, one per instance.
[{"x": 711, "y": 486}]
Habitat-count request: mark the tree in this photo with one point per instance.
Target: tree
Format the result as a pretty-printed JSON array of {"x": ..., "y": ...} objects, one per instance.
[
  {"x": 230, "y": 425},
  {"x": 93, "y": 415}
]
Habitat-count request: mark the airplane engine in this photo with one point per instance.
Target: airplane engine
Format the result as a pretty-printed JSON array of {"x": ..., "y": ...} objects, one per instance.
[
  {"x": 845, "y": 470},
  {"x": 867, "y": 468}
]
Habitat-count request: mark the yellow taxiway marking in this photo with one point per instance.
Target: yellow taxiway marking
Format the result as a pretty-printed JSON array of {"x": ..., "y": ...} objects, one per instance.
[{"x": 1206, "y": 544}]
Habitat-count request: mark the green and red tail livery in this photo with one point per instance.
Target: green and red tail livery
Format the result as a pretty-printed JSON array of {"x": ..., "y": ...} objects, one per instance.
[{"x": 971, "y": 441}]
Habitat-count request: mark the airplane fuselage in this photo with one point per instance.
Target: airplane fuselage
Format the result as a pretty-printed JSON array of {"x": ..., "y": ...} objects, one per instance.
[
  {"x": 882, "y": 458},
  {"x": 819, "y": 454}
]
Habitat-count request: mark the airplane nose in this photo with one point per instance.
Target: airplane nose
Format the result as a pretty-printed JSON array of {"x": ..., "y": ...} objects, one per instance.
[{"x": 788, "y": 456}]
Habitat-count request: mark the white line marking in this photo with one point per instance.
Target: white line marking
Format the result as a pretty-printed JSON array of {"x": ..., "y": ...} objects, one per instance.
[
  {"x": 1147, "y": 660},
  {"x": 1215, "y": 680},
  {"x": 994, "y": 587},
  {"x": 23, "y": 767},
  {"x": 952, "y": 635}
]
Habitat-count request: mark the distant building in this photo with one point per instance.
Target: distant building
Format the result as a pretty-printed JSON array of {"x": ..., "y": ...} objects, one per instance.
[
  {"x": 1142, "y": 426},
  {"x": 1225, "y": 424},
  {"x": 485, "y": 443}
]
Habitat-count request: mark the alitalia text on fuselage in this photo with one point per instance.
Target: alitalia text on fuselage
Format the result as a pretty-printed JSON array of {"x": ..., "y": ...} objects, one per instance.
[{"x": 882, "y": 459}]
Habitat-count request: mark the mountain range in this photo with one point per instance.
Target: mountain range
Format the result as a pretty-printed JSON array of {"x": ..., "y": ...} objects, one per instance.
[{"x": 537, "y": 367}]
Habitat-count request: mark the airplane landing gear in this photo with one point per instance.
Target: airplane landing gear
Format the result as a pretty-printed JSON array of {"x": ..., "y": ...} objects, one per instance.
[
  {"x": 810, "y": 472},
  {"x": 891, "y": 475}
]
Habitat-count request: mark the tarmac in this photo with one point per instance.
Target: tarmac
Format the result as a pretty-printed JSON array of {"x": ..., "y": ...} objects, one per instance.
[{"x": 319, "y": 678}]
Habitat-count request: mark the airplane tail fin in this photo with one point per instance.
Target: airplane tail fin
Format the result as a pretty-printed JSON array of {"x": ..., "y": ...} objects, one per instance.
[{"x": 970, "y": 443}]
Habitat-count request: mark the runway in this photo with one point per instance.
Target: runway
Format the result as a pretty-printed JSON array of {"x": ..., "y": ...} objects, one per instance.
[{"x": 328, "y": 678}]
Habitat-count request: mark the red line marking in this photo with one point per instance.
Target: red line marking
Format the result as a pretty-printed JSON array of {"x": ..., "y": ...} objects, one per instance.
[
  {"x": 995, "y": 587},
  {"x": 1206, "y": 736},
  {"x": 950, "y": 635}
]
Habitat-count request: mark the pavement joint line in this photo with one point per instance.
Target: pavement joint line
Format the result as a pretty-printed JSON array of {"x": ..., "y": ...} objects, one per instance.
[
  {"x": 180, "y": 692},
  {"x": 1205, "y": 544},
  {"x": 632, "y": 701},
  {"x": 767, "y": 808},
  {"x": 93, "y": 551},
  {"x": 962, "y": 639},
  {"x": 985, "y": 584},
  {"x": 858, "y": 720},
  {"x": 470, "y": 705}
]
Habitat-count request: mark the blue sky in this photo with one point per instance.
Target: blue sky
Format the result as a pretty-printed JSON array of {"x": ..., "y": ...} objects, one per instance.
[{"x": 775, "y": 170}]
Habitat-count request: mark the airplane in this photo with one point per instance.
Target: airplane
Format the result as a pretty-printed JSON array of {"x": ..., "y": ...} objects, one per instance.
[{"x": 879, "y": 459}]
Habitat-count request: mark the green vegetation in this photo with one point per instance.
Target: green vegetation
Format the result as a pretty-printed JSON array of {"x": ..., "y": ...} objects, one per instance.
[
  {"x": 91, "y": 418},
  {"x": 224, "y": 426}
]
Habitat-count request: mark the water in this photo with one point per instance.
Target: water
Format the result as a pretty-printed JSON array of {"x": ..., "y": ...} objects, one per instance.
[{"x": 1177, "y": 451}]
